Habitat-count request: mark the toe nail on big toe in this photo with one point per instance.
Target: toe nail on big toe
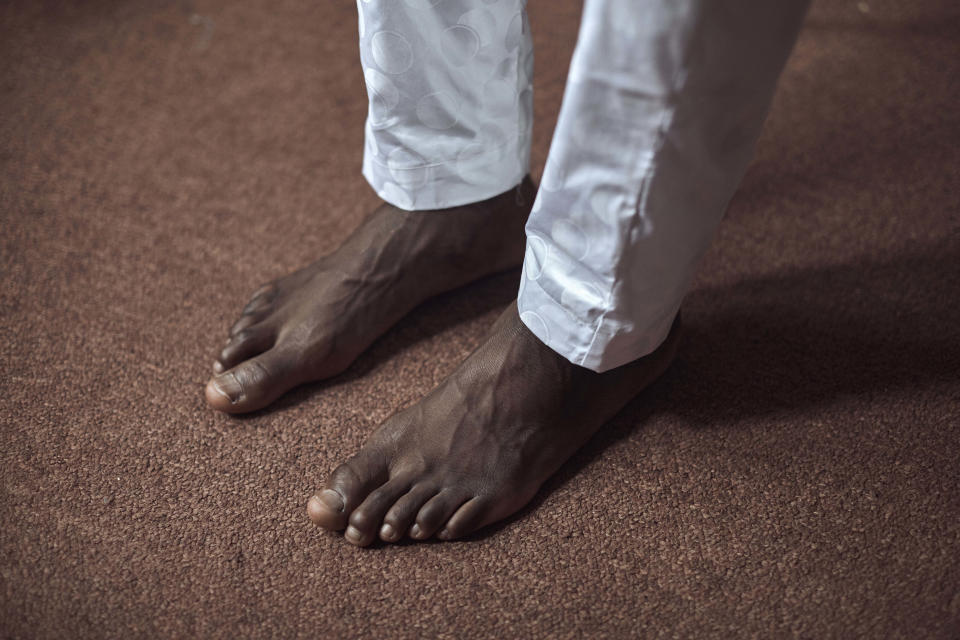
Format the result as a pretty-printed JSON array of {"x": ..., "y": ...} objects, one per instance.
[
  {"x": 228, "y": 387},
  {"x": 331, "y": 499}
]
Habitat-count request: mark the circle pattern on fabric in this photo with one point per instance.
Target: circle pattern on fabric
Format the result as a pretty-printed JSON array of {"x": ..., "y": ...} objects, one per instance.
[
  {"x": 419, "y": 4},
  {"x": 371, "y": 139},
  {"x": 602, "y": 203},
  {"x": 507, "y": 69},
  {"x": 553, "y": 178},
  {"x": 536, "y": 255},
  {"x": 492, "y": 135},
  {"x": 603, "y": 132},
  {"x": 514, "y": 33},
  {"x": 407, "y": 168},
  {"x": 440, "y": 110},
  {"x": 459, "y": 44},
  {"x": 391, "y": 52},
  {"x": 536, "y": 324},
  {"x": 395, "y": 195},
  {"x": 570, "y": 238},
  {"x": 587, "y": 300},
  {"x": 384, "y": 96},
  {"x": 499, "y": 97},
  {"x": 474, "y": 164},
  {"x": 482, "y": 22},
  {"x": 557, "y": 319}
]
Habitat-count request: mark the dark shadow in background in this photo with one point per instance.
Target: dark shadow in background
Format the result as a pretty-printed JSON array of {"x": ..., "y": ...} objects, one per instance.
[{"x": 789, "y": 342}]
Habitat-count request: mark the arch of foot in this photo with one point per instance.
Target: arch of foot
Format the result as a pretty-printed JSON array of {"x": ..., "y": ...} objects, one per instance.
[{"x": 450, "y": 108}]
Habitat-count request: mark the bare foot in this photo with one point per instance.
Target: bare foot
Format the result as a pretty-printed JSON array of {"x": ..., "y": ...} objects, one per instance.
[
  {"x": 313, "y": 323},
  {"x": 478, "y": 447}
]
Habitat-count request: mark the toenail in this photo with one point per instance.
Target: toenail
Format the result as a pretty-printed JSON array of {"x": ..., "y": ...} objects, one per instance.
[
  {"x": 387, "y": 532},
  {"x": 217, "y": 367},
  {"x": 415, "y": 531},
  {"x": 331, "y": 499},
  {"x": 353, "y": 534},
  {"x": 228, "y": 386},
  {"x": 444, "y": 534}
]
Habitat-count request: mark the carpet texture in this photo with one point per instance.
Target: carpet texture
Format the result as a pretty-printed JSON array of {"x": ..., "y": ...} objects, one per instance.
[{"x": 795, "y": 474}]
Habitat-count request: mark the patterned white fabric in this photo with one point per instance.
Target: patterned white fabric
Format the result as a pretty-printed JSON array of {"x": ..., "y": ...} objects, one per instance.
[
  {"x": 450, "y": 91},
  {"x": 664, "y": 102}
]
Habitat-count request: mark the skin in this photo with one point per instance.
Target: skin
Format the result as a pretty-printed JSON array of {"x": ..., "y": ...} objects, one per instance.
[
  {"x": 480, "y": 445},
  {"x": 313, "y": 323}
]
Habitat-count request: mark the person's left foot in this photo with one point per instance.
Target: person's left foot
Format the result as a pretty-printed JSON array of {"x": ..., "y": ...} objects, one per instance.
[{"x": 478, "y": 447}]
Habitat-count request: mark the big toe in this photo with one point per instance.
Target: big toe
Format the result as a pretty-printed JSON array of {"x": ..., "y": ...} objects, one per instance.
[
  {"x": 345, "y": 490},
  {"x": 327, "y": 509},
  {"x": 253, "y": 384}
]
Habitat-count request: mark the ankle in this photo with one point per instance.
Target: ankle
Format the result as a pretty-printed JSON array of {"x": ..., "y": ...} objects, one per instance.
[{"x": 487, "y": 235}]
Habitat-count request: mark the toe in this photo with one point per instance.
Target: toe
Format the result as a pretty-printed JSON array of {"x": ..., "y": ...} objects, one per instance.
[
  {"x": 255, "y": 383},
  {"x": 267, "y": 292},
  {"x": 243, "y": 323},
  {"x": 326, "y": 509},
  {"x": 243, "y": 346},
  {"x": 348, "y": 486},
  {"x": 366, "y": 520},
  {"x": 437, "y": 511},
  {"x": 259, "y": 302},
  {"x": 472, "y": 515},
  {"x": 254, "y": 311},
  {"x": 400, "y": 516}
]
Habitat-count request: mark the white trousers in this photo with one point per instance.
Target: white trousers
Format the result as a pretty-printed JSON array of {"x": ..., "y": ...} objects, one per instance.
[{"x": 663, "y": 105}]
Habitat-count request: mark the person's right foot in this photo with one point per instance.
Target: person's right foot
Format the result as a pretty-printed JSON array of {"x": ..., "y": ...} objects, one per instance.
[{"x": 311, "y": 324}]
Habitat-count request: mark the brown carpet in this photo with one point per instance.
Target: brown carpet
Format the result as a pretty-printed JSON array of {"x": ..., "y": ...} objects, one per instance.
[{"x": 795, "y": 474}]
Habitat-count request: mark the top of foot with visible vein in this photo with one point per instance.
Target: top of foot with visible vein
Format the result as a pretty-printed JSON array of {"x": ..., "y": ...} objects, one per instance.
[
  {"x": 479, "y": 446},
  {"x": 313, "y": 323}
]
